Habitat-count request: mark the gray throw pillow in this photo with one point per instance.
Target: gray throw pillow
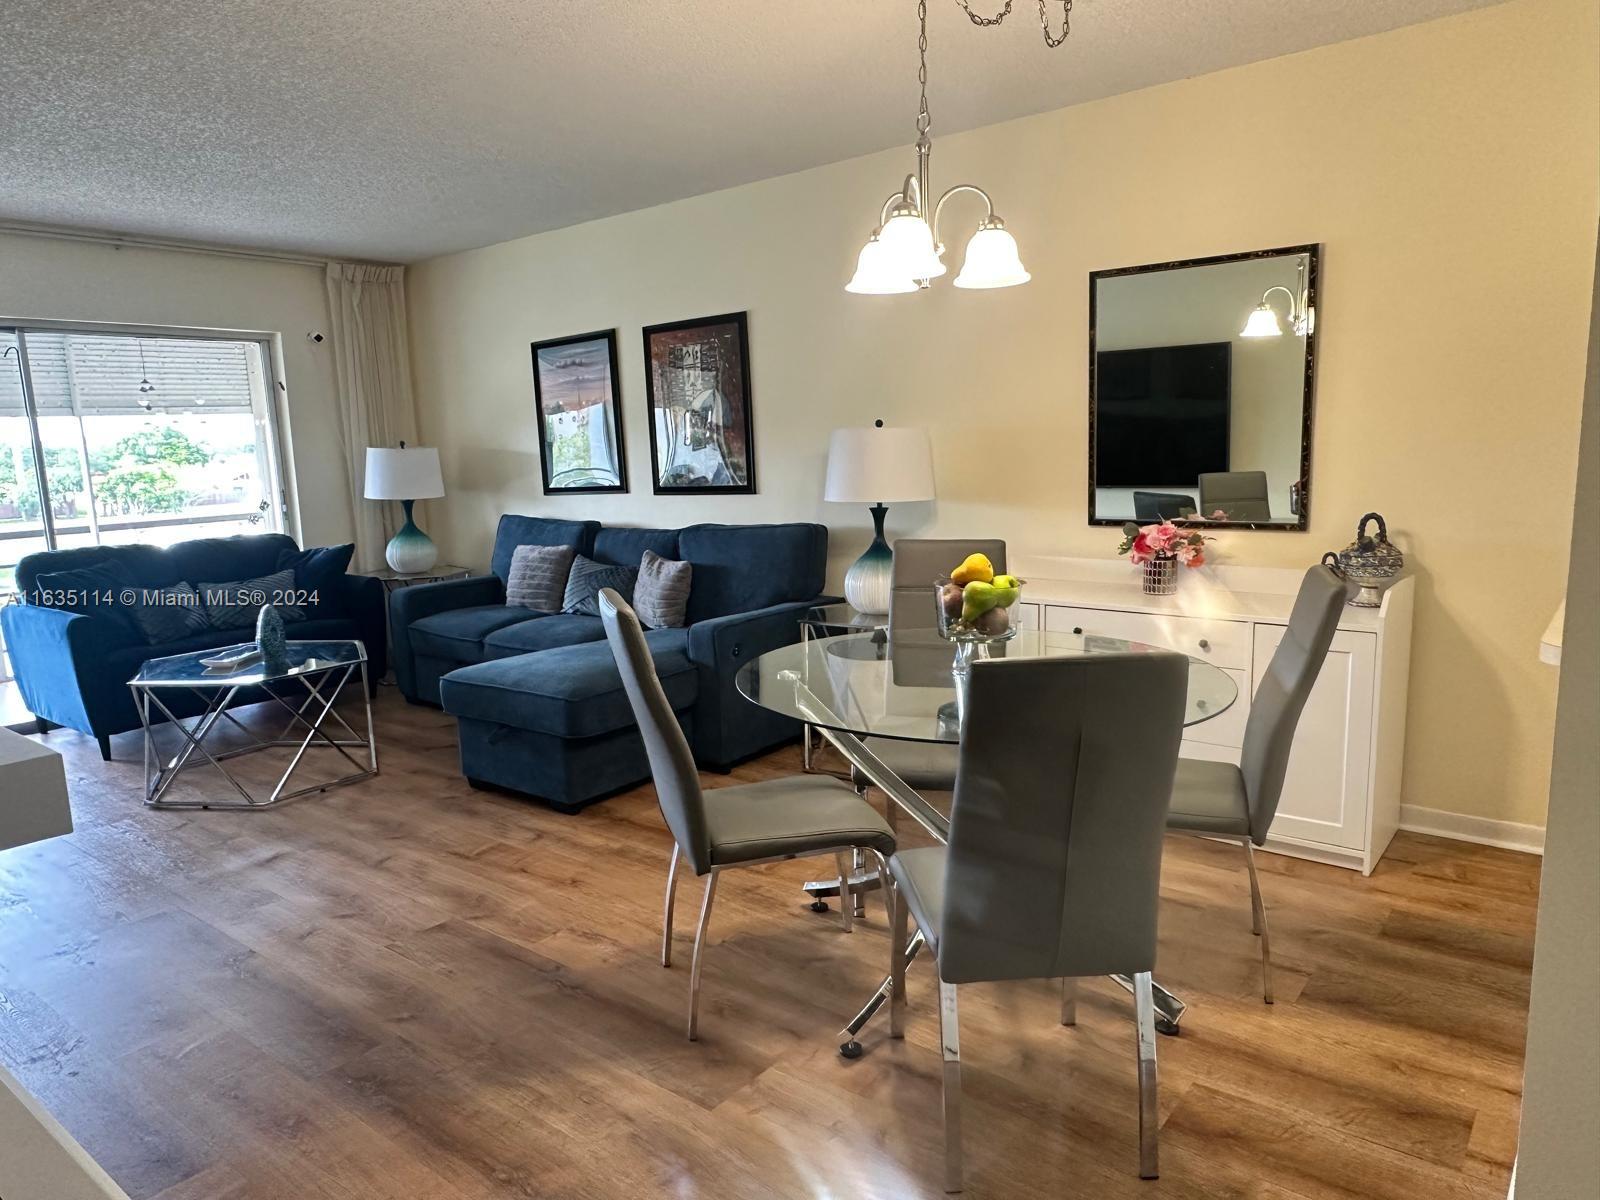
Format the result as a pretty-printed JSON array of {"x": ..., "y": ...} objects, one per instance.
[
  {"x": 236, "y": 604},
  {"x": 586, "y": 580},
  {"x": 168, "y": 614},
  {"x": 538, "y": 577},
  {"x": 661, "y": 596}
]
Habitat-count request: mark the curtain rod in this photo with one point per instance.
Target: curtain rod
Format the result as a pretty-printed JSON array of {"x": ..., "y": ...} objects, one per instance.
[{"x": 143, "y": 242}]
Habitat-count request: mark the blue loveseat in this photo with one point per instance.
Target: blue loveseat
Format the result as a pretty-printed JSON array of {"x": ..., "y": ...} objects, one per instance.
[
  {"x": 537, "y": 698},
  {"x": 73, "y": 667}
]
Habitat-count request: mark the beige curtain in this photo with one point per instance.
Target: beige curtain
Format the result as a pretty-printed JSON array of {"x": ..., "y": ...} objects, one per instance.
[{"x": 367, "y": 305}]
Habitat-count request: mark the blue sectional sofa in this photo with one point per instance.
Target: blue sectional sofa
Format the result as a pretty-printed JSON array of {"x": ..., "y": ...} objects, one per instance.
[
  {"x": 537, "y": 697},
  {"x": 73, "y": 667}
]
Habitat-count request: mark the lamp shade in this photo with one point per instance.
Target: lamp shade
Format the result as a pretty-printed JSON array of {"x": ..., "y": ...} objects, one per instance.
[
  {"x": 879, "y": 465},
  {"x": 1263, "y": 323},
  {"x": 875, "y": 274},
  {"x": 406, "y": 474},
  {"x": 992, "y": 261},
  {"x": 908, "y": 248}
]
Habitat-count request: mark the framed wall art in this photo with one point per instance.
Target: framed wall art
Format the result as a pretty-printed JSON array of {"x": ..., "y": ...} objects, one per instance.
[
  {"x": 697, "y": 375},
  {"x": 580, "y": 414}
]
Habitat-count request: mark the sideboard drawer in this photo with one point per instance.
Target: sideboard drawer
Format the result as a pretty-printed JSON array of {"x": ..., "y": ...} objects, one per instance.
[{"x": 1223, "y": 643}]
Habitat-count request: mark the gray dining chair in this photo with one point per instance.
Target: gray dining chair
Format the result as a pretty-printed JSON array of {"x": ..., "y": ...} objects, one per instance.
[
  {"x": 923, "y": 766},
  {"x": 739, "y": 826},
  {"x": 1241, "y": 494},
  {"x": 1221, "y": 800},
  {"x": 1053, "y": 866}
]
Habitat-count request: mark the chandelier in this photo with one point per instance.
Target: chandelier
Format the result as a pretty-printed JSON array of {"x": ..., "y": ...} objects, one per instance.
[{"x": 904, "y": 252}]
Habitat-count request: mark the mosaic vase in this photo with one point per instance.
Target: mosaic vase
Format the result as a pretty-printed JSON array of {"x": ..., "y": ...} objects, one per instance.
[
  {"x": 270, "y": 639},
  {"x": 1161, "y": 577}
]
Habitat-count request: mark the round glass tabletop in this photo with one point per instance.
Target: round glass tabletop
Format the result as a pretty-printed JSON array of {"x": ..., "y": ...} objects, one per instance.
[{"x": 871, "y": 685}]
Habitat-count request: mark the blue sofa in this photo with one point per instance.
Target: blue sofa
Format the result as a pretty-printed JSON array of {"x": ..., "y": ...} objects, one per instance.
[
  {"x": 537, "y": 697},
  {"x": 73, "y": 667}
]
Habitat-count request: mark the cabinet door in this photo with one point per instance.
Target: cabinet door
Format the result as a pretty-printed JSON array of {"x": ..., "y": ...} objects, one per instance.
[
  {"x": 1026, "y": 615},
  {"x": 1325, "y": 795}
]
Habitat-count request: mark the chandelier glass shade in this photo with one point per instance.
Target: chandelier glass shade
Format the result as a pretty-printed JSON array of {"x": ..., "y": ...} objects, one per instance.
[
  {"x": 1262, "y": 323},
  {"x": 992, "y": 260},
  {"x": 876, "y": 273}
]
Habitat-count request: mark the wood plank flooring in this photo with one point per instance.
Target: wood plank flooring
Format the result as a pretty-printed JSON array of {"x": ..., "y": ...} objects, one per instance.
[{"x": 408, "y": 988}]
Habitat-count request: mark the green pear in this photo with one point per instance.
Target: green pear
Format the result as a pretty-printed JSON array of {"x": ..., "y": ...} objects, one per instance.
[{"x": 977, "y": 598}]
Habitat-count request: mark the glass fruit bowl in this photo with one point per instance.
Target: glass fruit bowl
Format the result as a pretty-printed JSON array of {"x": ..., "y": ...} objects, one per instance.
[{"x": 978, "y": 612}]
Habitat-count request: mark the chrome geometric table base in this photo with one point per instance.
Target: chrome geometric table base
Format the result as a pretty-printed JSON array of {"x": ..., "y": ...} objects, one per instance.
[{"x": 313, "y": 714}]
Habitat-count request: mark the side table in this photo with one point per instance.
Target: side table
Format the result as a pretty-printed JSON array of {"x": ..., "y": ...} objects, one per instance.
[{"x": 393, "y": 579}]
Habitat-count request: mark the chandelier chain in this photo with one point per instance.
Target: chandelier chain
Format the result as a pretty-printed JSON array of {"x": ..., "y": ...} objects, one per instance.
[
  {"x": 1050, "y": 39},
  {"x": 924, "y": 121}
]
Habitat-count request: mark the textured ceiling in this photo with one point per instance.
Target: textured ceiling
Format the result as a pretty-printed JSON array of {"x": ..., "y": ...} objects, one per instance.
[{"x": 400, "y": 129}]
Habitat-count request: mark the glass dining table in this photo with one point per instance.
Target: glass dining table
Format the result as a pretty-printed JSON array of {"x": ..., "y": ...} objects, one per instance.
[{"x": 857, "y": 687}]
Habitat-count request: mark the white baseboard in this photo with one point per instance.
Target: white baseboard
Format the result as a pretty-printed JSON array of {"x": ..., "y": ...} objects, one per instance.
[{"x": 1508, "y": 835}]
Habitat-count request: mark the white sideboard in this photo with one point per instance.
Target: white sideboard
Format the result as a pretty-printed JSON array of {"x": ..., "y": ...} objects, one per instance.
[{"x": 1341, "y": 799}]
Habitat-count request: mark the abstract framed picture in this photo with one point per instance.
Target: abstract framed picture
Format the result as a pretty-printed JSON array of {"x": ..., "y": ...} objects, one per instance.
[
  {"x": 580, "y": 415},
  {"x": 697, "y": 376}
]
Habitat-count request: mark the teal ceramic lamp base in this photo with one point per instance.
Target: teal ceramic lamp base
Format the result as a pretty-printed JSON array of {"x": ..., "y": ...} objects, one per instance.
[
  {"x": 411, "y": 551},
  {"x": 866, "y": 583}
]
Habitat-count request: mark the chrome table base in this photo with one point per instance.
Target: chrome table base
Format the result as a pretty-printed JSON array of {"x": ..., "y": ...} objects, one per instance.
[{"x": 312, "y": 714}]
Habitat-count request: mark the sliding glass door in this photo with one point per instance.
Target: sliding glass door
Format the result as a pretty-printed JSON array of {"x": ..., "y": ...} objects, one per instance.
[{"x": 113, "y": 437}]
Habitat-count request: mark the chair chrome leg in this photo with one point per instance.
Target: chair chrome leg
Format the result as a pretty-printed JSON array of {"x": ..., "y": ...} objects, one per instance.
[
  {"x": 1258, "y": 917},
  {"x": 1149, "y": 1111},
  {"x": 950, "y": 1046},
  {"x": 847, "y": 899},
  {"x": 699, "y": 954},
  {"x": 900, "y": 922},
  {"x": 1069, "y": 1001},
  {"x": 858, "y": 859},
  {"x": 672, "y": 896}
]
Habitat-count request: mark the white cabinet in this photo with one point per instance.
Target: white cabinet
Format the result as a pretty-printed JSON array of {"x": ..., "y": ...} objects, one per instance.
[
  {"x": 1325, "y": 794},
  {"x": 1341, "y": 796}
]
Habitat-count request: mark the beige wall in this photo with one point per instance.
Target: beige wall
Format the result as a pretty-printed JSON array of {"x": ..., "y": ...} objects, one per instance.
[
  {"x": 59, "y": 279},
  {"x": 1450, "y": 172}
]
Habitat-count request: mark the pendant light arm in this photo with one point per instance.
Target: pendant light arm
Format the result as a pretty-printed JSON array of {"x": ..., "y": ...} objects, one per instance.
[
  {"x": 988, "y": 204},
  {"x": 1294, "y": 302}
]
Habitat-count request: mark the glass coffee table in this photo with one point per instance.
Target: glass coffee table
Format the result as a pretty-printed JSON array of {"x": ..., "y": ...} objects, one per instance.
[{"x": 307, "y": 689}]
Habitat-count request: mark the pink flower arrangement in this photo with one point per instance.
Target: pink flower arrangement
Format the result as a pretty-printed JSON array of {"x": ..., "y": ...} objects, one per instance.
[{"x": 1147, "y": 543}]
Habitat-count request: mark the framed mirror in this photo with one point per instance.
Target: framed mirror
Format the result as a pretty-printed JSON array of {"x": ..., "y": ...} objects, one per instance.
[{"x": 1200, "y": 384}]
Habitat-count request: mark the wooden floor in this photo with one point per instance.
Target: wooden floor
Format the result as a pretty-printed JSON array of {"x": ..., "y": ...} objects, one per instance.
[{"x": 411, "y": 989}]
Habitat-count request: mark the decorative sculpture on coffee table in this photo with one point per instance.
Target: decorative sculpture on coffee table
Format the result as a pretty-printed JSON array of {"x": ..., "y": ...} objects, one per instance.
[{"x": 270, "y": 639}]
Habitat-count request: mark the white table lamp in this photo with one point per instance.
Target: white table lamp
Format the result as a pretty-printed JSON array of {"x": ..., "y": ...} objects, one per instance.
[
  {"x": 406, "y": 475},
  {"x": 877, "y": 466}
]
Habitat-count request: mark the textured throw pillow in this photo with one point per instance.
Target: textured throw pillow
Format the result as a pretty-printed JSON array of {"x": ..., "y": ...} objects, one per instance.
[
  {"x": 320, "y": 572},
  {"x": 537, "y": 578},
  {"x": 236, "y": 604},
  {"x": 170, "y": 613},
  {"x": 661, "y": 596},
  {"x": 586, "y": 580}
]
